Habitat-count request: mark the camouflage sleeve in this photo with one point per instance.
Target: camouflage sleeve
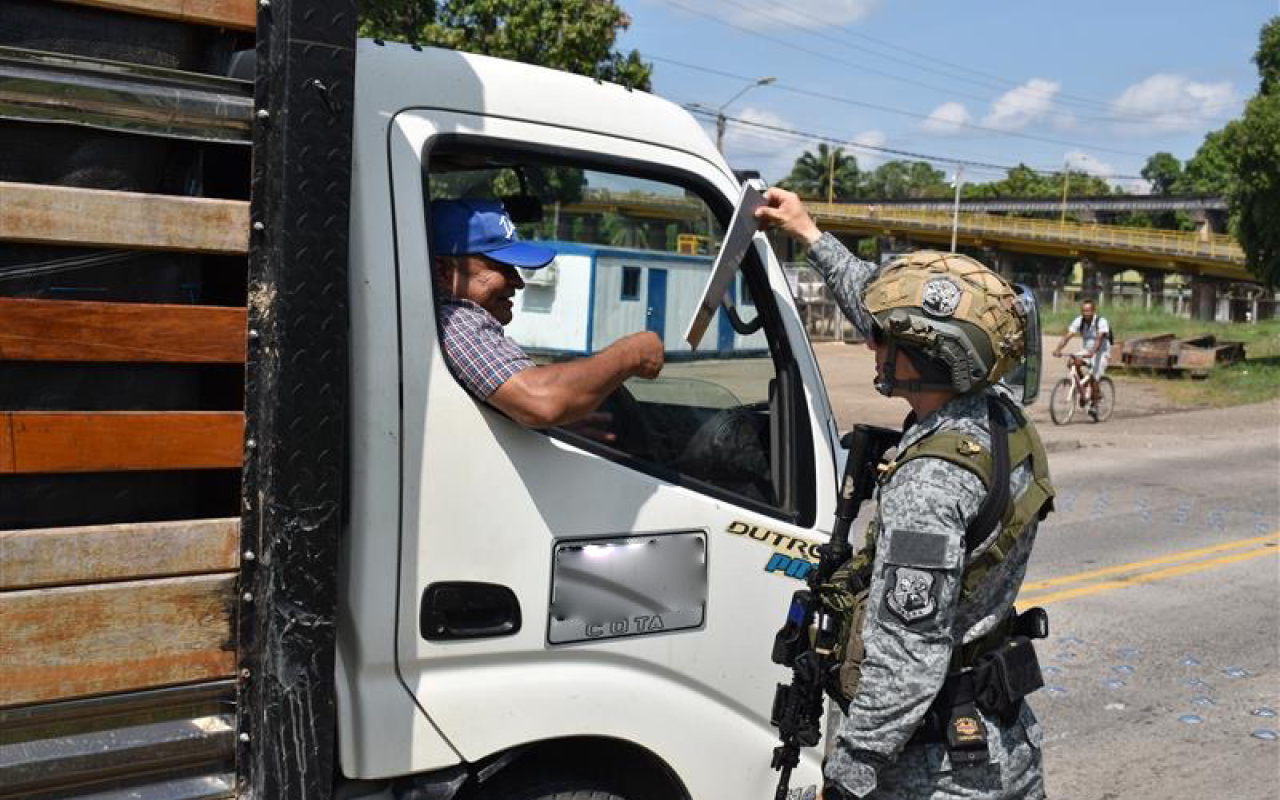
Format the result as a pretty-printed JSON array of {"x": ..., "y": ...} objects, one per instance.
[
  {"x": 911, "y": 608},
  {"x": 846, "y": 275}
]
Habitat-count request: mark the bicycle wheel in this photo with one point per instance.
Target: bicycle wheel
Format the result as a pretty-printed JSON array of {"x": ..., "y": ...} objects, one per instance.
[
  {"x": 1062, "y": 402},
  {"x": 1106, "y": 399}
]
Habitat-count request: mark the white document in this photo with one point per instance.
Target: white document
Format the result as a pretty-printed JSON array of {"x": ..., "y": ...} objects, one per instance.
[{"x": 742, "y": 229}]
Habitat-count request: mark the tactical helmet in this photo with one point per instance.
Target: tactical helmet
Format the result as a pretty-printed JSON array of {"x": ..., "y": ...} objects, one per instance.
[{"x": 952, "y": 310}]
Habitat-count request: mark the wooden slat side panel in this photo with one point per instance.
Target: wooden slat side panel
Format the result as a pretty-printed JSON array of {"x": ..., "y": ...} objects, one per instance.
[
  {"x": 64, "y": 330},
  {"x": 72, "y": 642},
  {"x": 101, "y": 218},
  {"x": 235, "y": 14},
  {"x": 6, "y": 444},
  {"x": 118, "y": 441},
  {"x": 97, "y": 553}
]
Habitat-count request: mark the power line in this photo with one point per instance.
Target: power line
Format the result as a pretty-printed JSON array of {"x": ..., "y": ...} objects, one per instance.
[
  {"x": 990, "y": 80},
  {"x": 887, "y": 109},
  {"x": 820, "y": 54},
  {"x": 811, "y": 136}
]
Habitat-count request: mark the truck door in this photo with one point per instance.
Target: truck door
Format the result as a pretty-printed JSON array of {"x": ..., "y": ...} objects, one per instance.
[{"x": 622, "y": 583}]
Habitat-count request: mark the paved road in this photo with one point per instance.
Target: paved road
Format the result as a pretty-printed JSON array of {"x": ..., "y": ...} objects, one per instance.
[{"x": 1161, "y": 573}]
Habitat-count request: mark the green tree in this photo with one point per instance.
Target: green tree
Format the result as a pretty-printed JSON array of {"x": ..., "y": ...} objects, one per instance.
[
  {"x": 571, "y": 35},
  {"x": 1267, "y": 58},
  {"x": 826, "y": 174},
  {"x": 901, "y": 180},
  {"x": 1163, "y": 171},
  {"x": 1210, "y": 170},
  {"x": 1252, "y": 147}
]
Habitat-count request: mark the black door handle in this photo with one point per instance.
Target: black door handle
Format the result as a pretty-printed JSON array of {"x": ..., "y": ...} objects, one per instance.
[{"x": 467, "y": 610}]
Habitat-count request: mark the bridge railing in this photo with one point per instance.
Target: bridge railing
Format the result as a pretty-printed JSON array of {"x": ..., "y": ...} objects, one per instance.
[{"x": 1184, "y": 244}]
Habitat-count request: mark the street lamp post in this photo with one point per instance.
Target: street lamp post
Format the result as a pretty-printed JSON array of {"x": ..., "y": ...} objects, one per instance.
[
  {"x": 955, "y": 207},
  {"x": 720, "y": 118},
  {"x": 1066, "y": 182}
]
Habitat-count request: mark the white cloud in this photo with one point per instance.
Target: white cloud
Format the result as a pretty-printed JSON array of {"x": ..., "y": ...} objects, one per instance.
[
  {"x": 869, "y": 159},
  {"x": 1080, "y": 161},
  {"x": 1083, "y": 162},
  {"x": 765, "y": 14},
  {"x": 1173, "y": 102},
  {"x": 947, "y": 119},
  {"x": 1017, "y": 108}
]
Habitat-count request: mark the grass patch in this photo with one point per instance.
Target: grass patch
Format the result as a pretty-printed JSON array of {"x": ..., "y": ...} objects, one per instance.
[{"x": 1255, "y": 380}]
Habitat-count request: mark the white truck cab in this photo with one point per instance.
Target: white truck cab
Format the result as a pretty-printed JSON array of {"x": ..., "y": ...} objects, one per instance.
[{"x": 602, "y": 609}]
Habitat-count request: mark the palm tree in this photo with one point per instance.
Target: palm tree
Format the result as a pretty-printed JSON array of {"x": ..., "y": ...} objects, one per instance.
[{"x": 828, "y": 174}]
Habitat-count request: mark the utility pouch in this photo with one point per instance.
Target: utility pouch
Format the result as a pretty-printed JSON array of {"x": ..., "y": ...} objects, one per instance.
[
  {"x": 1032, "y": 623},
  {"x": 845, "y": 598},
  {"x": 966, "y": 736},
  {"x": 1005, "y": 675},
  {"x": 850, "y": 673}
]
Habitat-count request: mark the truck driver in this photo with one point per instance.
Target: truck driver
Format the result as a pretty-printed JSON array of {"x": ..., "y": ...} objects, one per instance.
[{"x": 476, "y": 277}]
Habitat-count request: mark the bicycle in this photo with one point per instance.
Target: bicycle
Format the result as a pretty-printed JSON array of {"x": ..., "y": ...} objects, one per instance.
[{"x": 1072, "y": 393}]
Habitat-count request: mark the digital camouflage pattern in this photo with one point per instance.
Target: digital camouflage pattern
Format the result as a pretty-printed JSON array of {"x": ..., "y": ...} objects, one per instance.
[{"x": 915, "y": 615}]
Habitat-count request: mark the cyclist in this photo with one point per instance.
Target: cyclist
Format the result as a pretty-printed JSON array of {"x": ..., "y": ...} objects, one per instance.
[{"x": 1095, "y": 344}]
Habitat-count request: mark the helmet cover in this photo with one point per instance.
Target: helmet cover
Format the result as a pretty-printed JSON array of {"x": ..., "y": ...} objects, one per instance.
[{"x": 952, "y": 309}]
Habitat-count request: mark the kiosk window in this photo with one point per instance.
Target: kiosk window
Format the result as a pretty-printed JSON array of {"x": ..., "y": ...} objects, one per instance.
[{"x": 630, "y": 283}]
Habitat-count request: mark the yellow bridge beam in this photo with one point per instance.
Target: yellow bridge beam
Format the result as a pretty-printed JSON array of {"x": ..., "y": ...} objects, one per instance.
[{"x": 1211, "y": 255}]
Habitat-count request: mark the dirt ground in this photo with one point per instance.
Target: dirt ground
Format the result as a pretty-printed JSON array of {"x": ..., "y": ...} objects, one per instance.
[{"x": 1143, "y": 416}]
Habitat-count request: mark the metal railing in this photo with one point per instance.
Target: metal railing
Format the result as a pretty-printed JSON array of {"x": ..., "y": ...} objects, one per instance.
[{"x": 1147, "y": 241}]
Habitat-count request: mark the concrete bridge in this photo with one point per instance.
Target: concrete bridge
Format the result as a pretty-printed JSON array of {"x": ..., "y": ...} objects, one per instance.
[{"x": 1009, "y": 244}]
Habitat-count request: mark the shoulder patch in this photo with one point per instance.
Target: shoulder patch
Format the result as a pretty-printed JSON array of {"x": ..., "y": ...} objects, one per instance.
[
  {"x": 909, "y": 594},
  {"x": 918, "y": 549}
]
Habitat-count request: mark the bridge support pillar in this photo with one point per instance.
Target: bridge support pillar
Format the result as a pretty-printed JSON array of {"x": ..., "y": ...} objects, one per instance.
[
  {"x": 1152, "y": 289},
  {"x": 1089, "y": 279},
  {"x": 1107, "y": 284},
  {"x": 1097, "y": 281},
  {"x": 1209, "y": 221},
  {"x": 1204, "y": 298},
  {"x": 891, "y": 246},
  {"x": 999, "y": 263}
]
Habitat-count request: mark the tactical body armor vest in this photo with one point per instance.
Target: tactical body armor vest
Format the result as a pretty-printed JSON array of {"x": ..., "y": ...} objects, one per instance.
[{"x": 846, "y": 593}]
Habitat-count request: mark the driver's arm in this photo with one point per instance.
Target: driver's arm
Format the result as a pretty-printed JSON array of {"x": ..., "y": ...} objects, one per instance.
[{"x": 560, "y": 394}]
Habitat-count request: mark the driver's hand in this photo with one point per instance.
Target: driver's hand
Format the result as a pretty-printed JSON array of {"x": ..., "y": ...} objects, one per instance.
[
  {"x": 785, "y": 210},
  {"x": 1057, "y": 353},
  {"x": 597, "y": 425},
  {"x": 643, "y": 352}
]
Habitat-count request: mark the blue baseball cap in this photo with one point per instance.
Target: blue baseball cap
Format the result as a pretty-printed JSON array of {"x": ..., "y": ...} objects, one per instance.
[{"x": 483, "y": 227}]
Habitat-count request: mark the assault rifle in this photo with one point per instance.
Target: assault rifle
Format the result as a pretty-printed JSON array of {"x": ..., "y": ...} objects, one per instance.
[{"x": 810, "y": 631}]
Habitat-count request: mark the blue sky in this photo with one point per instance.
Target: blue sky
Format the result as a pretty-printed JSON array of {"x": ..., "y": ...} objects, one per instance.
[{"x": 1101, "y": 85}]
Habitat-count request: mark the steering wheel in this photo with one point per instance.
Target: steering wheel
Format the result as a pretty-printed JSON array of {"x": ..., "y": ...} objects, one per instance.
[{"x": 729, "y": 450}]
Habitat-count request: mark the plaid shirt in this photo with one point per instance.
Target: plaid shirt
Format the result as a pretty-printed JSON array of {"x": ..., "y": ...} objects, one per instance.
[{"x": 478, "y": 353}]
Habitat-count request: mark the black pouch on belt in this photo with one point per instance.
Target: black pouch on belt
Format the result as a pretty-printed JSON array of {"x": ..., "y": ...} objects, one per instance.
[
  {"x": 1005, "y": 675},
  {"x": 966, "y": 736}
]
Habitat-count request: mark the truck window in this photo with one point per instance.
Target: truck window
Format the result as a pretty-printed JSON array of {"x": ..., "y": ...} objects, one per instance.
[{"x": 624, "y": 264}]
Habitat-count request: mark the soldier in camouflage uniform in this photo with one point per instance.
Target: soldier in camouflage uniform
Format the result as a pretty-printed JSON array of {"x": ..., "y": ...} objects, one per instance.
[{"x": 919, "y": 608}]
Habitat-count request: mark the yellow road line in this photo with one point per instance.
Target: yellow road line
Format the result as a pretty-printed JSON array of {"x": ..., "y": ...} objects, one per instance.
[
  {"x": 1185, "y": 555},
  {"x": 1168, "y": 572}
]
